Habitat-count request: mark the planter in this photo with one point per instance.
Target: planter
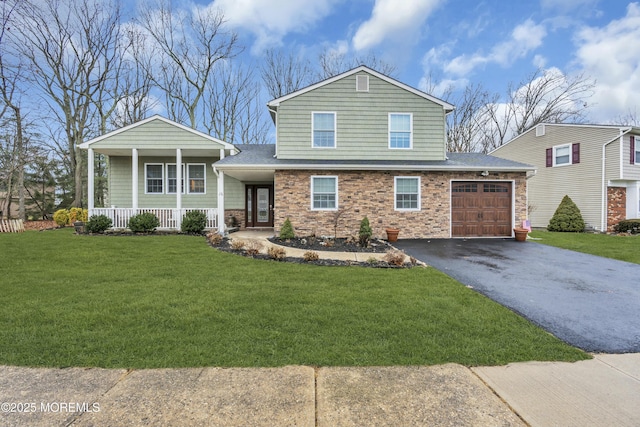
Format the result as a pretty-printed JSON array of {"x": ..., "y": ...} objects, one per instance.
[
  {"x": 521, "y": 234},
  {"x": 392, "y": 234},
  {"x": 79, "y": 226}
]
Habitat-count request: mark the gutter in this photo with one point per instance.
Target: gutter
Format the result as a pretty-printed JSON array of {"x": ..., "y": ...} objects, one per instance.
[{"x": 375, "y": 167}]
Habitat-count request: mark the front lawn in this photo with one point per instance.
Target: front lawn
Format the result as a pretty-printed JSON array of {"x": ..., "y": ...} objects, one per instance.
[
  {"x": 172, "y": 301},
  {"x": 623, "y": 248}
]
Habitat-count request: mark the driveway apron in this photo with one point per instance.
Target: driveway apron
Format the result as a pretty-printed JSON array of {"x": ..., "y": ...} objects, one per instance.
[{"x": 587, "y": 301}]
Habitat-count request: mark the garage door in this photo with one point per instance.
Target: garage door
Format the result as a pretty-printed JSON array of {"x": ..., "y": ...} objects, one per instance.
[{"x": 480, "y": 209}]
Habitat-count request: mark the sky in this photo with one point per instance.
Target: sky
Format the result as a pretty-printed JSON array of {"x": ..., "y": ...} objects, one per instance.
[{"x": 437, "y": 43}]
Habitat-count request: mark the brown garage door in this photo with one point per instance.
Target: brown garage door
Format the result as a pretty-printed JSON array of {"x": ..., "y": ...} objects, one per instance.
[{"x": 480, "y": 209}]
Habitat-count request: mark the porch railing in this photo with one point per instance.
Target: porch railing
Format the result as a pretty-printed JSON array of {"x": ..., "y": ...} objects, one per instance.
[{"x": 170, "y": 218}]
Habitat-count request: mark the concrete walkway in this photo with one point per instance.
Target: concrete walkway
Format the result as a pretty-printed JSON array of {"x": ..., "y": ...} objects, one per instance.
[{"x": 604, "y": 391}]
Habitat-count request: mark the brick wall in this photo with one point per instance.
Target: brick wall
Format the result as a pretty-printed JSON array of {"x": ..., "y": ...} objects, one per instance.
[
  {"x": 238, "y": 213},
  {"x": 370, "y": 193},
  {"x": 616, "y": 206}
]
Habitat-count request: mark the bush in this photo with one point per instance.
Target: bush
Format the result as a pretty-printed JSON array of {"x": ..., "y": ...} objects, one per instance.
[
  {"x": 78, "y": 214},
  {"x": 61, "y": 217},
  {"x": 628, "y": 226},
  {"x": 286, "y": 232},
  {"x": 214, "y": 238},
  {"x": 144, "y": 223},
  {"x": 277, "y": 253},
  {"x": 253, "y": 247},
  {"x": 394, "y": 257},
  {"x": 567, "y": 217},
  {"x": 98, "y": 223},
  {"x": 364, "y": 235},
  {"x": 237, "y": 245},
  {"x": 311, "y": 256},
  {"x": 194, "y": 222}
]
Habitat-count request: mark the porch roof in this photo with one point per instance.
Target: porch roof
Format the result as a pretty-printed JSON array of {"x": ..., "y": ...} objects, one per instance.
[
  {"x": 158, "y": 136},
  {"x": 261, "y": 159}
]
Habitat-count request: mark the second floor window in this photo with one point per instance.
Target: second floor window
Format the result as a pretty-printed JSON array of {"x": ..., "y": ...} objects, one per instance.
[
  {"x": 400, "y": 130},
  {"x": 324, "y": 130},
  {"x": 562, "y": 155}
]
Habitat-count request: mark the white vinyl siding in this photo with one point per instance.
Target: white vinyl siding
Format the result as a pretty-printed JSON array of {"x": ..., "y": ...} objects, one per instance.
[
  {"x": 562, "y": 155},
  {"x": 324, "y": 192},
  {"x": 407, "y": 193},
  {"x": 324, "y": 130},
  {"x": 197, "y": 178},
  {"x": 154, "y": 178}
]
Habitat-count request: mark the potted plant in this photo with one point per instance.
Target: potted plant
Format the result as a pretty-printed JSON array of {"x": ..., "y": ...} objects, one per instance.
[
  {"x": 392, "y": 234},
  {"x": 521, "y": 234}
]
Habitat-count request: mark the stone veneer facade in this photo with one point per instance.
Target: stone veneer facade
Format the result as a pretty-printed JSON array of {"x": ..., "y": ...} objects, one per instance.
[
  {"x": 238, "y": 214},
  {"x": 371, "y": 194},
  {"x": 616, "y": 206}
]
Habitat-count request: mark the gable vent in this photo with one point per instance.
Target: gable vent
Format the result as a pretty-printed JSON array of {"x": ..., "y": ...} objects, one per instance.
[
  {"x": 540, "y": 130},
  {"x": 362, "y": 83}
]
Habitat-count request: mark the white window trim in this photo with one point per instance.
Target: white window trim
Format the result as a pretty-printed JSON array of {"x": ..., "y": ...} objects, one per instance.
[
  {"x": 167, "y": 178},
  {"x": 187, "y": 186},
  {"x": 313, "y": 208},
  {"x": 555, "y": 148},
  {"x": 410, "y": 131},
  {"x": 395, "y": 194},
  {"x": 335, "y": 130},
  {"x": 146, "y": 187}
]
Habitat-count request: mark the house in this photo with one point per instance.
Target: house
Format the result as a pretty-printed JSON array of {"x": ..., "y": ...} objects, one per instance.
[
  {"x": 357, "y": 144},
  {"x": 598, "y": 166},
  {"x": 363, "y": 144}
]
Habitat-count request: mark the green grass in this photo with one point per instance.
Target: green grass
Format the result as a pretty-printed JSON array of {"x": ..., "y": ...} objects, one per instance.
[
  {"x": 172, "y": 301},
  {"x": 623, "y": 248}
]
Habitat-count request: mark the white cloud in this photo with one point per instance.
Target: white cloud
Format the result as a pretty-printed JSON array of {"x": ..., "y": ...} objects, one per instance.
[
  {"x": 539, "y": 61},
  {"x": 392, "y": 19},
  {"x": 524, "y": 38},
  {"x": 611, "y": 55},
  {"x": 271, "y": 20}
]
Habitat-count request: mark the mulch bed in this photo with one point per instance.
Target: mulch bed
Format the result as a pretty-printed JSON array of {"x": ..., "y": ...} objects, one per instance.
[
  {"x": 40, "y": 225},
  {"x": 225, "y": 246},
  {"x": 332, "y": 245}
]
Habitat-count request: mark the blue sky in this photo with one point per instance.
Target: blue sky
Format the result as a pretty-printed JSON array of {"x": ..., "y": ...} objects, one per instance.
[{"x": 460, "y": 41}]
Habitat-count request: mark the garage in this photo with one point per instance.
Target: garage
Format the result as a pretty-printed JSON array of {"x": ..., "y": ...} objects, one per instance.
[{"x": 481, "y": 209}]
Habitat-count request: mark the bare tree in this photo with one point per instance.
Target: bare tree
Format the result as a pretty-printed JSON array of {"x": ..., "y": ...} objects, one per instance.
[
  {"x": 284, "y": 73},
  {"x": 68, "y": 46},
  {"x": 466, "y": 123},
  {"x": 549, "y": 96},
  {"x": 188, "y": 45},
  {"x": 232, "y": 110},
  {"x": 630, "y": 118},
  {"x": 333, "y": 62},
  {"x": 10, "y": 76}
]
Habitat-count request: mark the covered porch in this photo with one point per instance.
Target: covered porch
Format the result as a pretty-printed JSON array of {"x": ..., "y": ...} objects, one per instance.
[{"x": 161, "y": 167}]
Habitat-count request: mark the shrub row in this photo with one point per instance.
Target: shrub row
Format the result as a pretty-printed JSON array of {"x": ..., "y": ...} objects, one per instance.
[
  {"x": 64, "y": 217},
  {"x": 628, "y": 226}
]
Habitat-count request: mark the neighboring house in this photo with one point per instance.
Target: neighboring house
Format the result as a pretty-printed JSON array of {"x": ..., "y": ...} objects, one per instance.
[
  {"x": 358, "y": 144},
  {"x": 598, "y": 166}
]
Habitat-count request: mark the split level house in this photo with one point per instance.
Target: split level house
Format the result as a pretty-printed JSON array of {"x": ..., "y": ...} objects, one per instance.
[
  {"x": 357, "y": 144},
  {"x": 598, "y": 166}
]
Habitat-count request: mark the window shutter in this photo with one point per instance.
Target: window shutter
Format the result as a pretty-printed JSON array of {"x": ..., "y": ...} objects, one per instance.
[
  {"x": 549, "y": 157},
  {"x": 632, "y": 144},
  {"x": 575, "y": 153}
]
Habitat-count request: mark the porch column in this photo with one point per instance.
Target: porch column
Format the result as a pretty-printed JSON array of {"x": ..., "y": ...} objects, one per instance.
[
  {"x": 90, "y": 180},
  {"x": 178, "y": 178},
  {"x": 221, "y": 224},
  {"x": 134, "y": 178}
]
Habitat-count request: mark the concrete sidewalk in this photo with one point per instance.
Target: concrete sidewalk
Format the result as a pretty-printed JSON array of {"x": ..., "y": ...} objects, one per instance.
[{"x": 604, "y": 391}]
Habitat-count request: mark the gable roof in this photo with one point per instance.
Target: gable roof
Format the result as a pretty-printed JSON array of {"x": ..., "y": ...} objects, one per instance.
[
  {"x": 87, "y": 144},
  {"x": 622, "y": 129},
  {"x": 276, "y": 102}
]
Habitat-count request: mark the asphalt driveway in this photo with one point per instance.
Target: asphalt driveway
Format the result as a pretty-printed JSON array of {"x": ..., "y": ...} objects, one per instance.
[{"x": 587, "y": 301}]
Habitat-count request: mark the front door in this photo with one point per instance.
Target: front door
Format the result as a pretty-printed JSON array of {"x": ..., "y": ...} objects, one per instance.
[{"x": 259, "y": 206}]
